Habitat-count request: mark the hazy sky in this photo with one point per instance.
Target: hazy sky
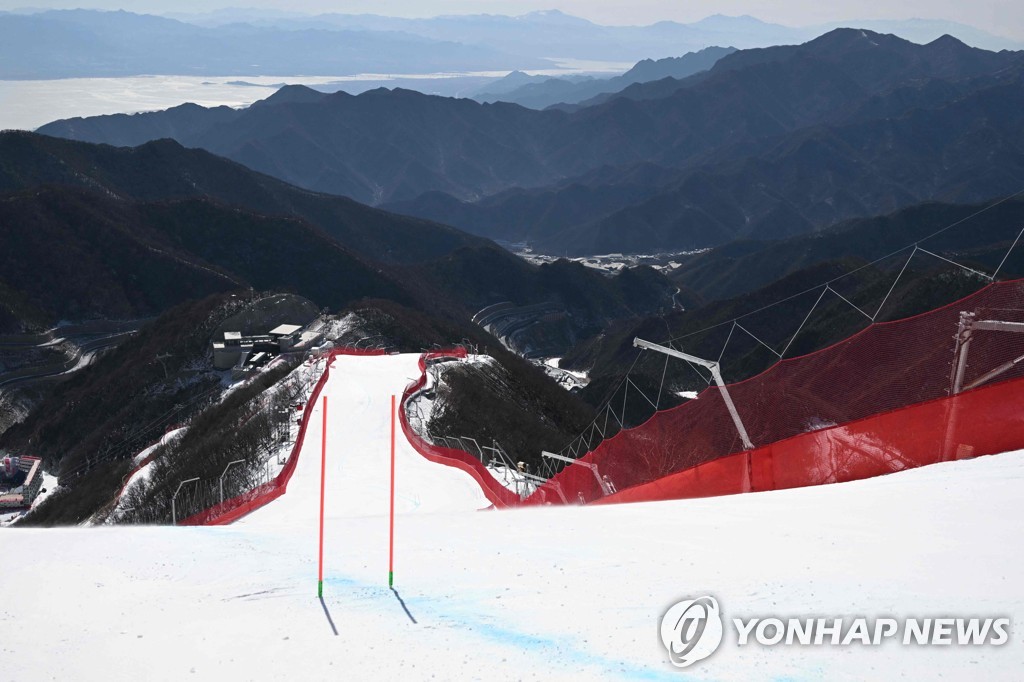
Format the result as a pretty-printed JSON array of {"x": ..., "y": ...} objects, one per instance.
[{"x": 1005, "y": 17}]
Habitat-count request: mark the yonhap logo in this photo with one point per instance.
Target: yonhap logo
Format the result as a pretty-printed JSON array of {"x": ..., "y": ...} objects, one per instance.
[{"x": 691, "y": 630}]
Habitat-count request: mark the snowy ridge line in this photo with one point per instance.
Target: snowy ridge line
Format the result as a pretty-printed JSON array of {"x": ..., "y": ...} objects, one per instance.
[
  {"x": 497, "y": 494},
  {"x": 235, "y": 508}
]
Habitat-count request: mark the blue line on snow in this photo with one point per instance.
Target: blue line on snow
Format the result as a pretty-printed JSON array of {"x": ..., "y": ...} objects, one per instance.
[{"x": 564, "y": 649}]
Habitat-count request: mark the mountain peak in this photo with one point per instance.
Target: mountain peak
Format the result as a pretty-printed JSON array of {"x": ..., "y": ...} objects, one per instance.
[
  {"x": 947, "y": 41},
  {"x": 291, "y": 94},
  {"x": 548, "y": 14},
  {"x": 554, "y": 16},
  {"x": 728, "y": 22},
  {"x": 842, "y": 40}
]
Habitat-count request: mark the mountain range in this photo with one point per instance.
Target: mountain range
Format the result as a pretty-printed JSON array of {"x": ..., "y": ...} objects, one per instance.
[
  {"x": 86, "y": 43},
  {"x": 540, "y": 93},
  {"x": 536, "y": 32},
  {"x": 768, "y": 143},
  {"x": 92, "y": 231},
  {"x": 779, "y": 142},
  {"x": 38, "y": 44}
]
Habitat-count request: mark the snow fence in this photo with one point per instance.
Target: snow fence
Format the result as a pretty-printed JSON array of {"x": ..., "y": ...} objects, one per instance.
[{"x": 875, "y": 403}]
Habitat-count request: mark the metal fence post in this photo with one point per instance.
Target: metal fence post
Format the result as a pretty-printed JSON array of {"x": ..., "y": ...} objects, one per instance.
[
  {"x": 220, "y": 481},
  {"x": 174, "y": 497}
]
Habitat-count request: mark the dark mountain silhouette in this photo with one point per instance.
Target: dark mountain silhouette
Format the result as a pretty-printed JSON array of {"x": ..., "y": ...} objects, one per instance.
[
  {"x": 950, "y": 140},
  {"x": 80, "y": 254},
  {"x": 372, "y": 147},
  {"x": 540, "y": 95},
  {"x": 535, "y": 215},
  {"x": 981, "y": 241},
  {"x": 163, "y": 170},
  {"x": 675, "y": 67},
  {"x": 732, "y": 149},
  {"x": 97, "y": 231},
  {"x": 831, "y": 70},
  {"x": 394, "y": 145},
  {"x": 968, "y": 150}
]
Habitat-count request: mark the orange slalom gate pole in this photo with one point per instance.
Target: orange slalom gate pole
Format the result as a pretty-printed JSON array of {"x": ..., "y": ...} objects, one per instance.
[
  {"x": 391, "y": 535},
  {"x": 323, "y": 475}
]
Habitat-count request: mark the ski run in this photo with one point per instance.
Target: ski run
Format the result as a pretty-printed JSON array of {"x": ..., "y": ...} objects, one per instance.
[{"x": 571, "y": 593}]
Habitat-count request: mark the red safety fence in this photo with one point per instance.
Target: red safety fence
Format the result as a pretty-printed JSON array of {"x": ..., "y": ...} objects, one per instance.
[
  {"x": 496, "y": 493},
  {"x": 126, "y": 479},
  {"x": 237, "y": 507},
  {"x": 873, "y": 403},
  {"x": 985, "y": 421}
]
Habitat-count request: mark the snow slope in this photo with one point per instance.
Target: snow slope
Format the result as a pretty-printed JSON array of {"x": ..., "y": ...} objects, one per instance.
[
  {"x": 541, "y": 593},
  {"x": 358, "y": 454}
]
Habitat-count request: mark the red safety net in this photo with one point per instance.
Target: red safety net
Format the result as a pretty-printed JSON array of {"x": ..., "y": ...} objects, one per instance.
[{"x": 874, "y": 403}]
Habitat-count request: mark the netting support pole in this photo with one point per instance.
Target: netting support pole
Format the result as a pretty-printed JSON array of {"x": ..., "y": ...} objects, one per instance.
[
  {"x": 713, "y": 366},
  {"x": 963, "y": 345},
  {"x": 220, "y": 482},
  {"x": 541, "y": 482},
  {"x": 965, "y": 334},
  {"x": 174, "y": 497},
  {"x": 590, "y": 465},
  {"x": 968, "y": 325}
]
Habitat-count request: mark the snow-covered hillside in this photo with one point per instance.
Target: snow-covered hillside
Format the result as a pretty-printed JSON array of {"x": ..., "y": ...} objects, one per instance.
[{"x": 542, "y": 593}]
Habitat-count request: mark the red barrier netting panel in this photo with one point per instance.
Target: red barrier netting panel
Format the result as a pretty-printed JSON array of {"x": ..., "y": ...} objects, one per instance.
[
  {"x": 791, "y": 410},
  {"x": 927, "y": 433}
]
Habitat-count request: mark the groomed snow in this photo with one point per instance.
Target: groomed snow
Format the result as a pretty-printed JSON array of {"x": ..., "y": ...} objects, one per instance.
[
  {"x": 358, "y": 457},
  {"x": 544, "y": 593}
]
